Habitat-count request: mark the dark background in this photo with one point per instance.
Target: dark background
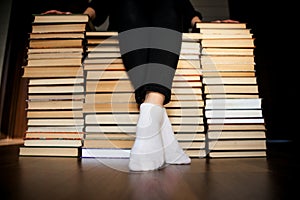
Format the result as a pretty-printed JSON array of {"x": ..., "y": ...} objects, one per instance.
[{"x": 274, "y": 28}]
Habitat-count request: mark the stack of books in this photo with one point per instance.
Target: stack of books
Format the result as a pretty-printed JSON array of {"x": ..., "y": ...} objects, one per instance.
[
  {"x": 81, "y": 101},
  {"x": 55, "y": 86},
  {"x": 110, "y": 109},
  {"x": 233, "y": 112}
]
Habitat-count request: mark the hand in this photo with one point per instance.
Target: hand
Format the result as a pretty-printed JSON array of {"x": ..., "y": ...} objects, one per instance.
[
  {"x": 56, "y": 12},
  {"x": 225, "y": 21},
  {"x": 195, "y": 20}
]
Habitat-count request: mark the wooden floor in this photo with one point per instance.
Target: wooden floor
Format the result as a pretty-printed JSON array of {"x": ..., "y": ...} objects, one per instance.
[{"x": 54, "y": 178}]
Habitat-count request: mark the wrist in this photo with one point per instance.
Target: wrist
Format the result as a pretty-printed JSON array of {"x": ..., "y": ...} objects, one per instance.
[
  {"x": 90, "y": 12},
  {"x": 195, "y": 20}
]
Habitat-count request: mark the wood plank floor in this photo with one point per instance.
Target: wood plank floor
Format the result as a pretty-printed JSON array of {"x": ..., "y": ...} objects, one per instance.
[{"x": 44, "y": 178}]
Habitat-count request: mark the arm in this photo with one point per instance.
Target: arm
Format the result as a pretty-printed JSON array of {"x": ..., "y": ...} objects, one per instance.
[
  {"x": 190, "y": 15},
  {"x": 98, "y": 11}
]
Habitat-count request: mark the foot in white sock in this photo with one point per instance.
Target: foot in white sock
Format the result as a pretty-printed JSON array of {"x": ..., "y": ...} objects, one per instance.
[
  {"x": 147, "y": 152},
  {"x": 174, "y": 154}
]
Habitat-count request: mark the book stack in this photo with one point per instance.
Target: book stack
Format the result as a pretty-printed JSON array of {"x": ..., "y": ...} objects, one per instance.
[
  {"x": 233, "y": 112},
  {"x": 110, "y": 109},
  {"x": 55, "y": 86}
]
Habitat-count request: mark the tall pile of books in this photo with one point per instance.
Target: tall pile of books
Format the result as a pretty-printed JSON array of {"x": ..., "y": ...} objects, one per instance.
[
  {"x": 110, "y": 109},
  {"x": 233, "y": 112},
  {"x": 55, "y": 86}
]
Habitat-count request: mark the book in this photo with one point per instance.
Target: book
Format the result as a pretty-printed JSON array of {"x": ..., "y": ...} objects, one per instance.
[
  {"x": 109, "y": 86},
  {"x": 236, "y": 121},
  {"x": 58, "y": 28},
  {"x": 55, "y": 129},
  {"x": 53, "y": 142},
  {"x": 55, "y": 122},
  {"x": 233, "y": 104},
  {"x": 105, "y": 153},
  {"x": 236, "y": 127},
  {"x": 49, "y": 151},
  {"x": 55, "y": 43},
  {"x": 104, "y": 55},
  {"x": 55, "y": 50},
  {"x": 218, "y": 51},
  {"x": 102, "y": 48},
  {"x": 236, "y": 134},
  {"x": 228, "y": 73},
  {"x": 63, "y": 35},
  {"x": 101, "y": 34},
  {"x": 63, "y": 62},
  {"x": 54, "y": 135},
  {"x": 230, "y": 80},
  {"x": 110, "y": 144},
  {"x": 234, "y": 113},
  {"x": 238, "y": 32},
  {"x": 61, "y": 18},
  {"x": 203, "y": 25},
  {"x": 253, "y": 144},
  {"x": 238, "y": 154},
  {"x": 54, "y": 105},
  {"x": 56, "y": 81},
  {"x": 250, "y": 89},
  {"x": 226, "y": 36},
  {"x": 52, "y": 97},
  {"x": 109, "y": 107},
  {"x": 107, "y": 61},
  {"x": 53, "y": 114},
  {"x": 55, "y": 55},
  {"x": 228, "y": 42},
  {"x": 55, "y": 89},
  {"x": 103, "y": 41},
  {"x": 52, "y": 71},
  {"x": 231, "y": 96},
  {"x": 226, "y": 60}
]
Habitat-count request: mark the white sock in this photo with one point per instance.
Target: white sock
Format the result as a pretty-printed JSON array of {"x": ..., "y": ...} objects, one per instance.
[
  {"x": 174, "y": 154},
  {"x": 147, "y": 151}
]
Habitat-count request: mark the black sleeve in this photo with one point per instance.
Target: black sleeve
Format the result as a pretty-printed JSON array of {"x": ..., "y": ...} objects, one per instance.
[
  {"x": 74, "y": 6},
  {"x": 188, "y": 12},
  {"x": 102, "y": 9}
]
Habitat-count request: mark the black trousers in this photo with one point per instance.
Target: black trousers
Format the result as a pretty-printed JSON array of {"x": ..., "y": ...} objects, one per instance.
[{"x": 150, "y": 39}]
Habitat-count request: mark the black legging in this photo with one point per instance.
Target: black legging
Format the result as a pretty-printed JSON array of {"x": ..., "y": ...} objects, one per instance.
[{"x": 150, "y": 42}]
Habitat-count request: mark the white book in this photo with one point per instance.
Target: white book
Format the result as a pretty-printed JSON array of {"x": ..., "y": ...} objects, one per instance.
[
  {"x": 233, "y": 104},
  {"x": 233, "y": 113},
  {"x": 236, "y": 121}
]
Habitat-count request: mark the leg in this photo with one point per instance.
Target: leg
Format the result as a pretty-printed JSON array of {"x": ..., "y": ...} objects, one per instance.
[
  {"x": 173, "y": 152},
  {"x": 147, "y": 152},
  {"x": 151, "y": 71}
]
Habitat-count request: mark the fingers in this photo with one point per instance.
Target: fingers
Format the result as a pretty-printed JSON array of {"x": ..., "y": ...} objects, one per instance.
[
  {"x": 225, "y": 21},
  {"x": 56, "y": 12},
  {"x": 229, "y": 21}
]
